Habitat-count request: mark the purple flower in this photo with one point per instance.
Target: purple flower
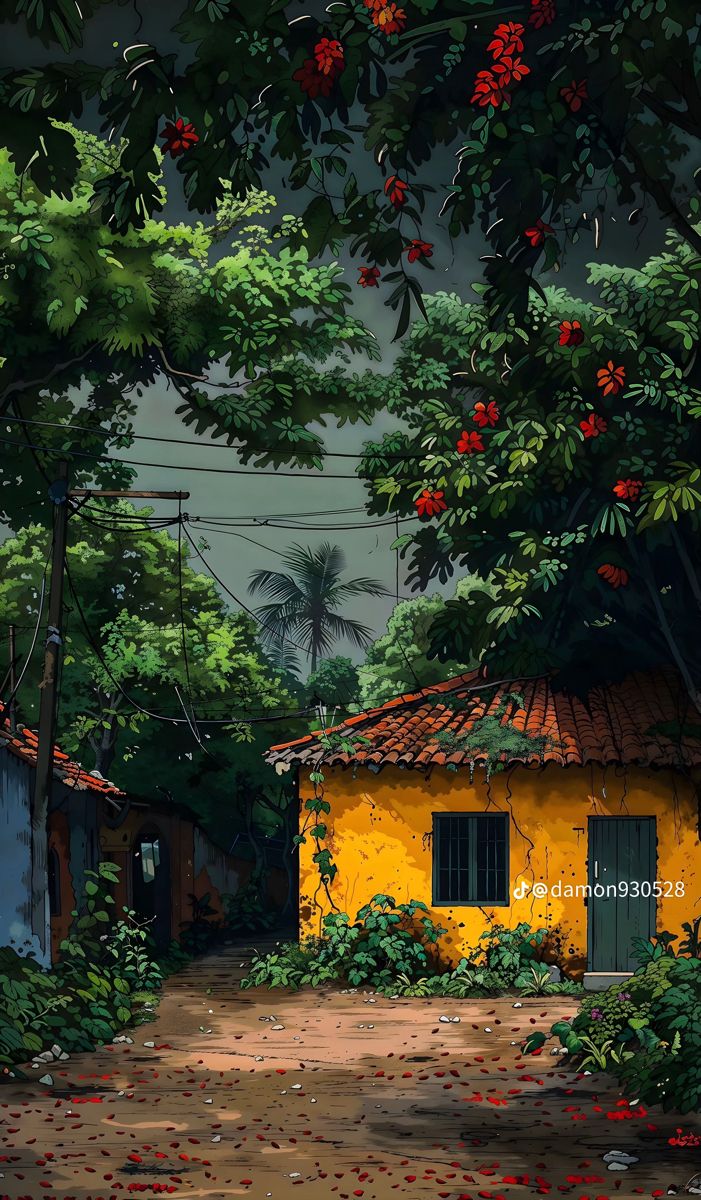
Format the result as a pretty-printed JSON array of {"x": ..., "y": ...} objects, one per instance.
[
  {"x": 596, "y": 1014},
  {"x": 624, "y": 995}
]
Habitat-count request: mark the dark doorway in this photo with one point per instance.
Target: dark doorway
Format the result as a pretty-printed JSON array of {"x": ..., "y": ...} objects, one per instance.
[
  {"x": 622, "y": 850},
  {"x": 151, "y": 890}
]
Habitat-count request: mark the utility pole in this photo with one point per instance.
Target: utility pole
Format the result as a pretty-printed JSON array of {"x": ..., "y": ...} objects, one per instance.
[
  {"x": 12, "y": 711},
  {"x": 60, "y": 494}
]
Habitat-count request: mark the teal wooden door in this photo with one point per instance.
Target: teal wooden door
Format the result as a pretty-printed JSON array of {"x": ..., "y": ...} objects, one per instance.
[{"x": 622, "y": 850}]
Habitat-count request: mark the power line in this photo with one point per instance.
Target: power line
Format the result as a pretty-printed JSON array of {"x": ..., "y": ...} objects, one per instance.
[
  {"x": 30, "y": 652},
  {"x": 207, "y": 445},
  {"x": 131, "y": 462}
]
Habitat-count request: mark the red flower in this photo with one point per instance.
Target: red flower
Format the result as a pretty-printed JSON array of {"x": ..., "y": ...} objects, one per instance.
[
  {"x": 389, "y": 18},
  {"x": 178, "y": 137},
  {"x": 593, "y": 426},
  {"x": 369, "y": 276},
  {"x": 571, "y": 333},
  {"x": 329, "y": 57},
  {"x": 536, "y": 233},
  {"x": 485, "y": 414},
  {"x": 317, "y": 75},
  {"x": 506, "y": 40},
  {"x": 542, "y": 13},
  {"x": 396, "y": 189},
  {"x": 611, "y": 378},
  {"x": 489, "y": 90},
  {"x": 470, "y": 443},
  {"x": 628, "y": 489},
  {"x": 510, "y": 70},
  {"x": 418, "y": 249},
  {"x": 429, "y": 503},
  {"x": 574, "y": 93},
  {"x": 616, "y": 576}
]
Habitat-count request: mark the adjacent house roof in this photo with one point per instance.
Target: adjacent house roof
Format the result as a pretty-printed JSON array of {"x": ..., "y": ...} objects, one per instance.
[
  {"x": 646, "y": 719},
  {"x": 23, "y": 744}
]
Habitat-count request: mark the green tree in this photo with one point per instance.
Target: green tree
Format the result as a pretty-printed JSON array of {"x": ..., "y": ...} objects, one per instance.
[
  {"x": 398, "y": 660},
  {"x": 304, "y": 601},
  {"x": 334, "y": 684},
  {"x": 561, "y": 458},
  {"x": 585, "y": 111},
  {"x": 233, "y": 316},
  {"x": 126, "y": 639}
]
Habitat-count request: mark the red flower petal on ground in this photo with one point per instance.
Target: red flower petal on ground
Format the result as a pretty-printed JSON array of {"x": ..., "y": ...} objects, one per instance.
[
  {"x": 543, "y": 12},
  {"x": 574, "y": 93},
  {"x": 396, "y": 189},
  {"x": 615, "y": 576},
  {"x": 429, "y": 503},
  {"x": 485, "y": 414},
  {"x": 536, "y": 233},
  {"x": 506, "y": 40},
  {"x": 417, "y": 250},
  {"x": 178, "y": 136},
  {"x": 611, "y": 378},
  {"x": 628, "y": 489},
  {"x": 571, "y": 333},
  {"x": 489, "y": 90},
  {"x": 470, "y": 443},
  {"x": 389, "y": 18},
  {"x": 369, "y": 276},
  {"x": 593, "y": 425}
]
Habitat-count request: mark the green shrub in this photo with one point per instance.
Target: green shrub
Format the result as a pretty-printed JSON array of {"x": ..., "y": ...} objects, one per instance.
[
  {"x": 204, "y": 930},
  {"x": 646, "y": 1030},
  {"x": 386, "y": 941},
  {"x": 245, "y": 912}
]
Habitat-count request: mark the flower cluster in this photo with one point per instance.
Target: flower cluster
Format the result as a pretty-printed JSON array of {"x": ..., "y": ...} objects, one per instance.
[
  {"x": 387, "y": 16},
  {"x": 417, "y": 250},
  {"x": 536, "y": 233},
  {"x": 628, "y": 489},
  {"x": 543, "y": 12},
  {"x": 615, "y": 576},
  {"x": 396, "y": 190},
  {"x": 317, "y": 75},
  {"x": 593, "y": 425},
  {"x": 369, "y": 276},
  {"x": 430, "y": 503},
  {"x": 178, "y": 136},
  {"x": 492, "y": 85}
]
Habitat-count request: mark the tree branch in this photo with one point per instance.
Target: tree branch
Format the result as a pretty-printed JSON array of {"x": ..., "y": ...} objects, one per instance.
[{"x": 23, "y": 385}]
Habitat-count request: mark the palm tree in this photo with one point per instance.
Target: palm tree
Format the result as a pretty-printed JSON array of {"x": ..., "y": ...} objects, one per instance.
[{"x": 303, "y": 605}]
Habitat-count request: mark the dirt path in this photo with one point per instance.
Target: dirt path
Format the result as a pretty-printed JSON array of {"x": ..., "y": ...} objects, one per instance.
[{"x": 357, "y": 1096}]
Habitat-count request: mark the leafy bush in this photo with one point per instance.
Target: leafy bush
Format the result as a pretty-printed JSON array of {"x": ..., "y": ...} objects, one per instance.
[
  {"x": 204, "y": 930},
  {"x": 91, "y": 993},
  {"x": 394, "y": 949},
  {"x": 645, "y": 1030},
  {"x": 386, "y": 940},
  {"x": 245, "y": 912}
]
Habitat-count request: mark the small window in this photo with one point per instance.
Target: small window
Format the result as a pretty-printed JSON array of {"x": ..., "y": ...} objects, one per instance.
[
  {"x": 54, "y": 870},
  {"x": 470, "y": 858}
]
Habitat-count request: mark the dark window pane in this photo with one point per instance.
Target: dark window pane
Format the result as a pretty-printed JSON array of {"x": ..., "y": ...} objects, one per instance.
[{"x": 470, "y": 857}]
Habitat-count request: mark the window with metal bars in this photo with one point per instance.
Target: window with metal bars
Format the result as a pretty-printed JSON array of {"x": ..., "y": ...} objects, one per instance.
[{"x": 470, "y": 858}]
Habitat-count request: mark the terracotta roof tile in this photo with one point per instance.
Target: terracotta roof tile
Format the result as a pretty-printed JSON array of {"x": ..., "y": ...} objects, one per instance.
[
  {"x": 23, "y": 744},
  {"x": 625, "y": 723}
]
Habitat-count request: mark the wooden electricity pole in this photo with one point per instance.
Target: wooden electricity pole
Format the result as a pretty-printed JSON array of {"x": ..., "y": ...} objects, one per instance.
[
  {"x": 60, "y": 494},
  {"x": 12, "y": 707}
]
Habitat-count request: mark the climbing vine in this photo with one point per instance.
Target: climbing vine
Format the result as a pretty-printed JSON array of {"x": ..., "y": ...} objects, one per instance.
[{"x": 317, "y": 809}]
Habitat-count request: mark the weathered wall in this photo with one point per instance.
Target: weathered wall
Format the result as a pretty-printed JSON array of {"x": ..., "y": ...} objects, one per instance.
[
  {"x": 117, "y": 845},
  {"x": 380, "y": 827},
  {"x": 214, "y": 871},
  {"x": 16, "y": 782},
  {"x": 60, "y": 842}
]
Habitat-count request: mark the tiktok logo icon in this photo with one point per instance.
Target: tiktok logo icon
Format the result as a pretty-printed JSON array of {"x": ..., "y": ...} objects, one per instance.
[{"x": 521, "y": 890}]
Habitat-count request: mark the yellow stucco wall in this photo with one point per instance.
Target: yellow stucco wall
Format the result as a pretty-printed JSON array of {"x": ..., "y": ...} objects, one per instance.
[{"x": 380, "y": 826}]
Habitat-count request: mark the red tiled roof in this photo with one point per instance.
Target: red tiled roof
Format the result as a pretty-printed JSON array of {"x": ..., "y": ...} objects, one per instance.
[
  {"x": 23, "y": 744},
  {"x": 624, "y": 723}
]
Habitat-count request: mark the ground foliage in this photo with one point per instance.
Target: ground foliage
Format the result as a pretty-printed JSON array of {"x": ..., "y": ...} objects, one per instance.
[
  {"x": 644, "y": 1029},
  {"x": 366, "y": 103}
]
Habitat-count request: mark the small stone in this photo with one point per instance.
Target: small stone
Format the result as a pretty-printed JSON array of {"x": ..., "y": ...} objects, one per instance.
[
  {"x": 149, "y": 1045},
  {"x": 487, "y": 1029},
  {"x": 56, "y": 1050},
  {"x": 47, "y": 1079},
  {"x": 217, "y": 1137},
  {"x": 276, "y": 1027},
  {"x": 620, "y": 1156},
  {"x": 209, "y": 1102},
  {"x": 455, "y": 1020},
  {"x": 518, "y": 1004},
  {"x": 444, "y": 1020},
  {"x": 258, "y": 1058},
  {"x": 617, "y": 1166},
  {"x": 296, "y": 1087}
]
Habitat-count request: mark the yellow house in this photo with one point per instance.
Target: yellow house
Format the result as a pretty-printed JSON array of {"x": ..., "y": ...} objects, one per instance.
[{"x": 496, "y": 803}]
